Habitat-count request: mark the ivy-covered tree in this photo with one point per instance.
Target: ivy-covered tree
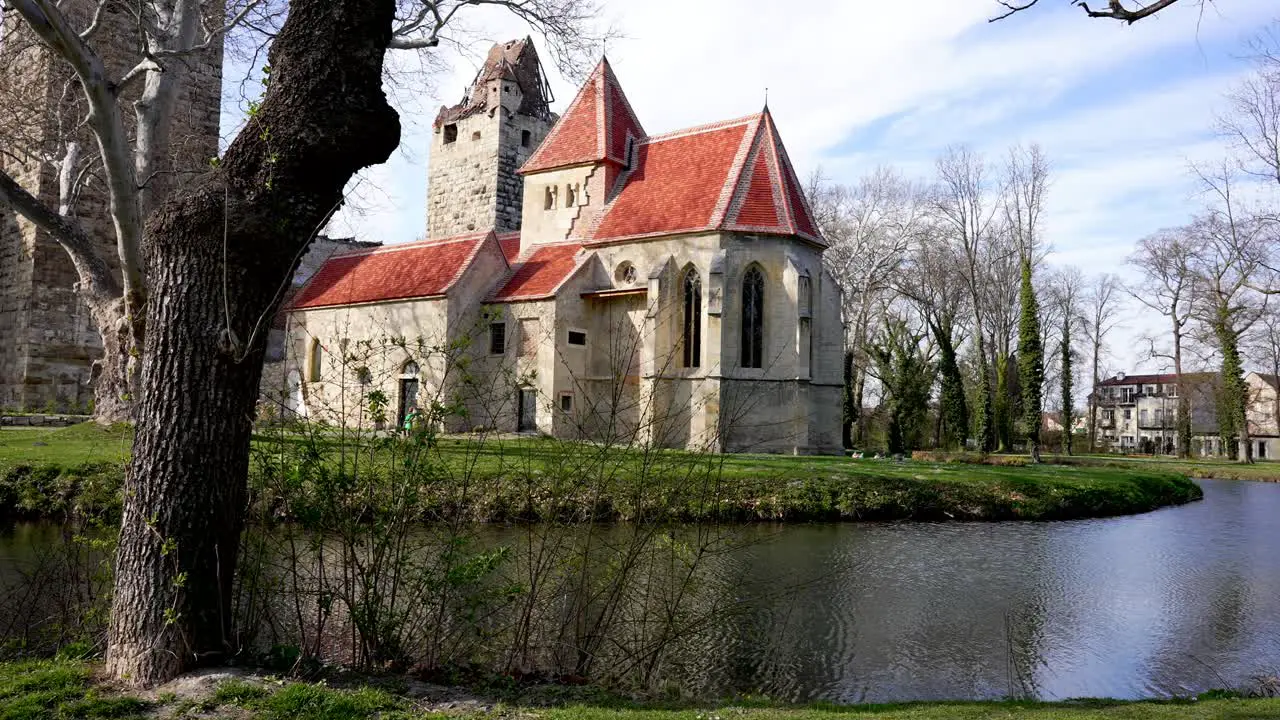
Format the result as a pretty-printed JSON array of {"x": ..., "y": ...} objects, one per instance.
[
  {"x": 907, "y": 375},
  {"x": 1030, "y": 362},
  {"x": 951, "y": 403},
  {"x": 1064, "y": 347}
]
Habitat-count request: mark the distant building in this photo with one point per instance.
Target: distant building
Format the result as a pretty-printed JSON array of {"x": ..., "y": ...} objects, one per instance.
[{"x": 1139, "y": 413}]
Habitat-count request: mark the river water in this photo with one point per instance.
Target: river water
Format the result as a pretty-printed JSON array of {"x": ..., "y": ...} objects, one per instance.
[{"x": 1170, "y": 602}]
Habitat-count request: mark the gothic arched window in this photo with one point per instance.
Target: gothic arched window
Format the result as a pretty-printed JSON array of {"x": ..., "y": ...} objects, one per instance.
[
  {"x": 753, "y": 318},
  {"x": 692, "y": 340}
]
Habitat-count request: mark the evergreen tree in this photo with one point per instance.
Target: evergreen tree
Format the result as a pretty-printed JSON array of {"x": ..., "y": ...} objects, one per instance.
[
  {"x": 1030, "y": 361},
  {"x": 907, "y": 377},
  {"x": 1234, "y": 391},
  {"x": 984, "y": 430},
  {"x": 952, "y": 406},
  {"x": 1067, "y": 381}
]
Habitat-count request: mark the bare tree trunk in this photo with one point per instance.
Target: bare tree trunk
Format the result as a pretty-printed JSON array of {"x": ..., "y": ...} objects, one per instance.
[
  {"x": 1184, "y": 401},
  {"x": 217, "y": 258},
  {"x": 1093, "y": 402}
]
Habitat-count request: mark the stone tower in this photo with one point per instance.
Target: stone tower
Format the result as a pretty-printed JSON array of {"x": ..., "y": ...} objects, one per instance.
[
  {"x": 478, "y": 145},
  {"x": 47, "y": 340}
]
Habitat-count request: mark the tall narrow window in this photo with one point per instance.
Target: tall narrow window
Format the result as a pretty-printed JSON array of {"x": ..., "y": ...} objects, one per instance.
[
  {"x": 692, "y": 319},
  {"x": 804, "y": 291},
  {"x": 313, "y": 361},
  {"x": 753, "y": 319},
  {"x": 525, "y": 137},
  {"x": 549, "y": 201}
]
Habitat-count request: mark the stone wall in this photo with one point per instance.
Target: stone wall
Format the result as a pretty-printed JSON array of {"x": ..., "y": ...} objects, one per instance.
[
  {"x": 472, "y": 183},
  {"x": 47, "y": 341}
]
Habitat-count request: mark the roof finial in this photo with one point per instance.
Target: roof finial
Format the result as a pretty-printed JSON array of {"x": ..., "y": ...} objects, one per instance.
[{"x": 766, "y": 97}]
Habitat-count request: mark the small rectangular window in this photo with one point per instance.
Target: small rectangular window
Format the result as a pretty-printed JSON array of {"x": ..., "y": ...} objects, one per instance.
[
  {"x": 549, "y": 201},
  {"x": 530, "y": 330},
  {"x": 577, "y": 337},
  {"x": 566, "y": 402},
  {"x": 450, "y": 133},
  {"x": 525, "y": 138},
  {"x": 475, "y": 135},
  {"x": 497, "y": 338}
]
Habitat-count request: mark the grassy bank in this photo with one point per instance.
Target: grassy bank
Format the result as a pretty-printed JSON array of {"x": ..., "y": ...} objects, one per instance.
[
  {"x": 54, "y": 690},
  {"x": 78, "y": 469}
]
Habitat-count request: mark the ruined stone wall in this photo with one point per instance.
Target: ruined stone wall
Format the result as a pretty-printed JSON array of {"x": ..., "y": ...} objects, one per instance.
[
  {"x": 472, "y": 183},
  {"x": 47, "y": 340}
]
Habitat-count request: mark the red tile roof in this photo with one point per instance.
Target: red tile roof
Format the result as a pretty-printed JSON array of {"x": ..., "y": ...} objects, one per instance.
[
  {"x": 510, "y": 244},
  {"x": 397, "y": 272},
  {"x": 539, "y": 272},
  {"x": 733, "y": 175},
  {"x": 676, "y": 185},
  {"x": 594, "y": 128}
]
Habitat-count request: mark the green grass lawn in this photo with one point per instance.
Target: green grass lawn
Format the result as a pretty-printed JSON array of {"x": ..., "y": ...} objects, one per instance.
[
  {"x": 1263, "y": 470},
  {"x": 501, "y": 479},
  {"x": 62, "y": 690}
]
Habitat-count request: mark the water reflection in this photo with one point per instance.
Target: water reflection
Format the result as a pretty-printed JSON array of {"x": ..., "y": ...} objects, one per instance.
[{"x": 1174, "y": 601}]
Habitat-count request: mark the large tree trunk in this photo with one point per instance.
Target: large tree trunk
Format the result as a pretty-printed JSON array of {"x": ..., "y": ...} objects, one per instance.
[{"x": 217, "y": 259}]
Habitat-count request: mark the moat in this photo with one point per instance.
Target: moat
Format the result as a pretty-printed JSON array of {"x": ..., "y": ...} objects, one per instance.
[{"x": 1170, "y": 602}]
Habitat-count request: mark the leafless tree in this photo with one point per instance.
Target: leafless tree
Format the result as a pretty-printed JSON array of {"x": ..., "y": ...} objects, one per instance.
[
  {"x": 1231, "y": 248},
  {"x": 934, "y": 282},
  {"x": 871, "y": 226},
  {"x": 1066, "y": 291},
  {"x": 1252, "y": 119},
  {"x": 1102, "y": 315},
  {"x": 1266, "y": 352},
  {"x": 964, "y": 205},
  {"x": 1126, "y": 12},
  {"x": 1164, "y": 259}
]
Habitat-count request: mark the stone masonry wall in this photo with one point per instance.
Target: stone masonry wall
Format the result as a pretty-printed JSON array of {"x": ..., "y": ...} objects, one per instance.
[
  {"x": 472, "y": 183},
  {"x": 47, "y": 340}
]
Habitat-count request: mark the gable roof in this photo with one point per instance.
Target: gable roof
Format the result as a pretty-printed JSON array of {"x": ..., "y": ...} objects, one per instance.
[
  {"x": 398, "y": 272},
  {"x": 733, "y": 175},
  {"x": 539, "y": 272},
  {"x": 510, "y": 244},
  {"x": 1164, "y": 378},
  {"x": 598, "y": 126}
]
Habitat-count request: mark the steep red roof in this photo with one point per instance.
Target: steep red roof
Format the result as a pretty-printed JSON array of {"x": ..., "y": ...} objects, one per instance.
[
  {"x": 510, "y": 244},
  {"x": 594, "y": 128},
  {"x": 733, "y": 175},
  {"x": 398, "y": 272},
  {"x": 676, "y": 185},
  {"x": 538, "y": 272}
]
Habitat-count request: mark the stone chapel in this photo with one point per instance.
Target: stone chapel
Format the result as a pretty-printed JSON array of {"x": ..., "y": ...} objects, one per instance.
[{"x": 582, "y": 278}]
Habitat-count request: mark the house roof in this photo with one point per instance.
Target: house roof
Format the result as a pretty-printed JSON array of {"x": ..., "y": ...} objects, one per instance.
[
  {"x": 598, "y": 126},
  {"x": 539, "y": 272},
  {"x": 398, "y": 272},
  {"x": 1157, "y": 379},
  {"x": 510, "y": 244},
  {"x": 732, "y": 175}
]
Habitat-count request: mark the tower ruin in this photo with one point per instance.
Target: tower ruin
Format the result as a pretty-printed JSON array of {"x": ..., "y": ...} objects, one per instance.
[{"x": 478, "y": 145}]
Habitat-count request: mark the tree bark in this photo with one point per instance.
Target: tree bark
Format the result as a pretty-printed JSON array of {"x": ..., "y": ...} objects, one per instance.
[{"x": 217, "y": 258}]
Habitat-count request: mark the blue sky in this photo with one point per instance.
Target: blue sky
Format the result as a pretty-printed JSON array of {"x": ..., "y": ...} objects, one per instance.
[{"x": 1119, "y": 110}]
